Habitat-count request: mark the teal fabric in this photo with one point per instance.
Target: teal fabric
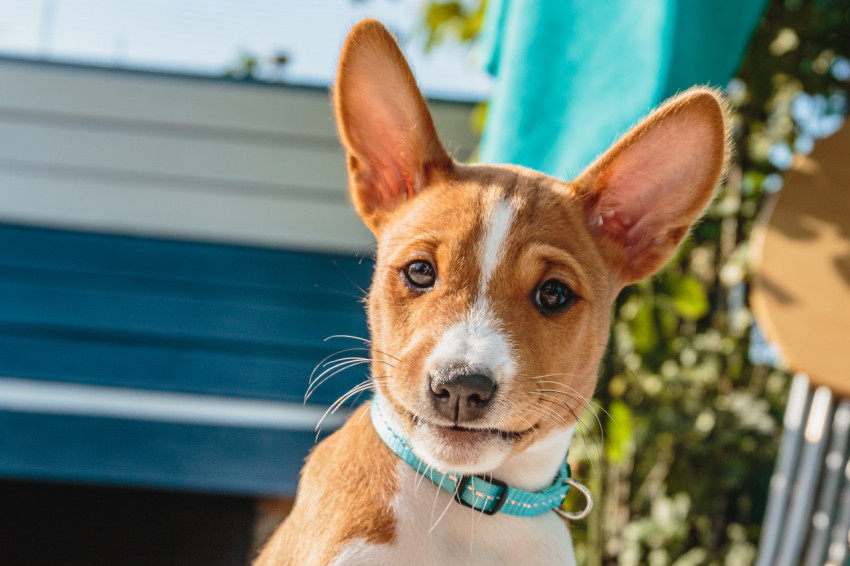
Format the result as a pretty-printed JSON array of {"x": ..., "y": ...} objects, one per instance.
[
  {"x": 478, "y": 493},
  {"x": 574, "y": 75}
]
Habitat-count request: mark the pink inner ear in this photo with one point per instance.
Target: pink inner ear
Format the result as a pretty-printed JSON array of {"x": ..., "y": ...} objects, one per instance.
[
  {"x": 388, "y": 130},
  {"x": 385, "y": 149},
  {"x": 657, "y": 184}
]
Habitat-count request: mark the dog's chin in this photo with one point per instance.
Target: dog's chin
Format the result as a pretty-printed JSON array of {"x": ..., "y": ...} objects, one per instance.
[{"x": 462, "y": 450}]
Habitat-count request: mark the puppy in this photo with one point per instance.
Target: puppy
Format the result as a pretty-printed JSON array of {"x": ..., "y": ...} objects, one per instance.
[{"x": 489, "y": 313}]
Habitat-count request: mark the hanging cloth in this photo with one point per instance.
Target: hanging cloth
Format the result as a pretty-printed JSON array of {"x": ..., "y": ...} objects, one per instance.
[{"x": 574, "y": 75}]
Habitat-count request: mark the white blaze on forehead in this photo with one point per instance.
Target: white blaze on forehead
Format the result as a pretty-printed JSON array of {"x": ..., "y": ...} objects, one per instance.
[
  {"x": 478, "y": 340},
  {"x": 493, "y": 243}
]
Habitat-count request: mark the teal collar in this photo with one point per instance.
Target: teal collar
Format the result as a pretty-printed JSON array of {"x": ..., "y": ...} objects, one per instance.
[{"x": 488, "y": 496}]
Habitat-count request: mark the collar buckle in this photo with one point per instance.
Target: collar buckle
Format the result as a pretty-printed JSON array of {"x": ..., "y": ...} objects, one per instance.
[{"x": 461, "y": 487}]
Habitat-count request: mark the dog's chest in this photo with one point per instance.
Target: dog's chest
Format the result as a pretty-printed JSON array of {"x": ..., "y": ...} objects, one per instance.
[{"x": 432, "y": 529}]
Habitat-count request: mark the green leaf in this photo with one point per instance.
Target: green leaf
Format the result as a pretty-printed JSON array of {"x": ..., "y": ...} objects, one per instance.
[
  {"x": 643, "y": 328},
  {"x": 440, "y": 13},
  {"x": 689, "y": 297},
  {"x": 620, "y": 432}
]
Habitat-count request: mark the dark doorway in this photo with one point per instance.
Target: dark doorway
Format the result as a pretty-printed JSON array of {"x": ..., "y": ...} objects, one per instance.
[{"x": 45, "y": 524}]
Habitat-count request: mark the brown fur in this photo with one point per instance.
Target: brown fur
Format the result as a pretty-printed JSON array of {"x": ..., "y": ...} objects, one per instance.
[
  {"x": 345, "y": 493},
  {"x": 616, "y": 223},
  {"x": 443, "y": 226}
]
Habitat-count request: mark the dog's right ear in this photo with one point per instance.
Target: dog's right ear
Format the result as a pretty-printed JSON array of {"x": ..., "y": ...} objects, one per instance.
[{"x": 386, "y": 128}]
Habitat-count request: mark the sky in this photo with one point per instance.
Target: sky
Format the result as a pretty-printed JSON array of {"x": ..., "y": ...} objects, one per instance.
[{"x": 205, "y": 36}]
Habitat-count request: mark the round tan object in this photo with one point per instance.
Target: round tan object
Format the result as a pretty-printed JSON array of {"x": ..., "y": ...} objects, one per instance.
[{"x": 801, "y": 265}]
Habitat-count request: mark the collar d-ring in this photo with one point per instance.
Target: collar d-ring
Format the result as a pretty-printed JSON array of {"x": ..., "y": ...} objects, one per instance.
[{"x": 588, "y": 499}]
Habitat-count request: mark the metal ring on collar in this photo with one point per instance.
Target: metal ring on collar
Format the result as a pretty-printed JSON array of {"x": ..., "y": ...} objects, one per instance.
[{"x": 588, "y": 498}]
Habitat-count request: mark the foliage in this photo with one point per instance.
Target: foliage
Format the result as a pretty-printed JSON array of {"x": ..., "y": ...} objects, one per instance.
[
  {"x": 688, "y": 425},
  {"x": 244, "y": 66},
  {"x": 459, "y": 19},
  {"x": 248, "y": 66}
]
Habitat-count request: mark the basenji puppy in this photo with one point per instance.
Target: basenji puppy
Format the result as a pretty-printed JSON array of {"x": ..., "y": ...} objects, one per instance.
[{"x": 489, "y": 313}]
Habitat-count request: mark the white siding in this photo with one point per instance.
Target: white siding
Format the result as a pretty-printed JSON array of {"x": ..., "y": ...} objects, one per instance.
[{"x": 171, "y": 156}]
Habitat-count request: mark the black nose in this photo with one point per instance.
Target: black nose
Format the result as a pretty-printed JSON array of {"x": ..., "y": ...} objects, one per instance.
[{"x": 462, "y": 397}]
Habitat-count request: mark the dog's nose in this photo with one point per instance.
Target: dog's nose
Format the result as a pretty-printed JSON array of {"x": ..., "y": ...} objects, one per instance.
[{"x": 461, "y": 397}]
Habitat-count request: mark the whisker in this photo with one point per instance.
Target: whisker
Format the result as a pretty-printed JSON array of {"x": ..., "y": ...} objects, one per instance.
[
  {"x": 562, "y": 384},
  {"x": 584, "y": 431},
  {"x": 360, "y": 358},
  {"x": 557, "y": 401},
  {"x": 359, "y": 388},
  {"x": 342, "y": 399},
  {"x": 333, "y": 336},
  {"x": 547, "y": 418},
  {"x": 555, "y": 414},
  {"x": 579, "y": 422},
  {"x": 443, "y": 514},
  {"x": 337, "y": 366},
  {"x": 596, "y": 407},
  {"x": 581, "y": 428},
  {"x": 363, "y": 414},
  {"x": 331, "y": 410},
  {"x": 328, "y": 357},
  {"x": 365, "y": 341},
  {"x": 434, "y": 506},
  {"x": 421, "y": 477},
  {"x": 350, "y": 280},
  {"x": 576, "y": 393},
  {"x": 331, "y": 372},
  {"x": 557, "y": 373},
  {"x": 532, "y": 427}
]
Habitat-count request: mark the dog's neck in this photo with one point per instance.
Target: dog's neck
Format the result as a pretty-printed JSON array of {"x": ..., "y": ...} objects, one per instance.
[{"x": 532, "y": 469}]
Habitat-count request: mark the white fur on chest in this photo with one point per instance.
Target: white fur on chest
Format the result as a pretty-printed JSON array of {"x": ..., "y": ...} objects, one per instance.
[{"x": 433, "y": 529}]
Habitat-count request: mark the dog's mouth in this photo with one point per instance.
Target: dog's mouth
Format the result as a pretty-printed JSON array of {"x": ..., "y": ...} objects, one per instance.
[
  {"x": 464, "y": 449},
  {"x": 460, "y": 433}
]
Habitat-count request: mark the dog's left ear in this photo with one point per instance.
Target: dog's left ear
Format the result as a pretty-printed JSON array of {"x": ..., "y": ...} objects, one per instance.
[
  {"x": 384, "y": 124},
  {"x": 642, "y": 196}
]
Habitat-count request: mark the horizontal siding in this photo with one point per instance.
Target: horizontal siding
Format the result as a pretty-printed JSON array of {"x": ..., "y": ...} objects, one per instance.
[
  {"x": 227, "y": 324},
  {"x": 191, "y": 102},
  {"x": 169, "y": 315},
  {"x": 177, "y": 316},
  {"x": 59, "y": 199},
  {"x": 51, "y": 355},
  {"x": 222, "y": 161},
  {"x": 151, "y": 454},
  {"x": 179, "y": 236},
  {"x": 124, "y": 97},
  {"x": 167, "y": 156}
]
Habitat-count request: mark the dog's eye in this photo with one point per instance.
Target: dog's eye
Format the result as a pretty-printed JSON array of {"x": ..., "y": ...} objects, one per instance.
[
  {"x": 553, "y": 296},
  {"x": 420, "y": 274}
]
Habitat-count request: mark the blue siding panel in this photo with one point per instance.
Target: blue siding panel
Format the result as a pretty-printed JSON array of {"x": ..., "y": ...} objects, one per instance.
[
  {"x": 158, "y": 315},
  {"x": 169, "y": 316},
  {"x": 280, "y": 374},
  {"x": 171, "y": 260},
  {"x": 151, "y": 454},
  {"x": 183, "y": 316}
]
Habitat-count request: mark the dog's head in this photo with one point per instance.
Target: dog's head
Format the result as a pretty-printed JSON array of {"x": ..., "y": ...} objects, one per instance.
[{"x": 491, "y": 301}]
